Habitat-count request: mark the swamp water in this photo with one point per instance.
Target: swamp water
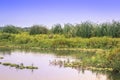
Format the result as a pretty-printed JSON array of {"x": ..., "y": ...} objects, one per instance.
[{"x": 46, "y": 70}]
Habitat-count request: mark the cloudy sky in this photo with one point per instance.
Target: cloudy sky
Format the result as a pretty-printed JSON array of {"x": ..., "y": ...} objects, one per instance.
[{"x": 48, "y": 12}]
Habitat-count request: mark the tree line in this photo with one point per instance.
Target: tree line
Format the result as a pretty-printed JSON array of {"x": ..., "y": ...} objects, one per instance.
[{"x": 85, "y": 29}]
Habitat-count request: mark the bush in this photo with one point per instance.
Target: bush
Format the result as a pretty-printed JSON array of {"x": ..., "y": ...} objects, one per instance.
[
  {"x": 6, "y": 36},
  {"x": 57, "y": 29},
  {"x": 38, "y": 29},
  {"x": 10, "y": 29}
]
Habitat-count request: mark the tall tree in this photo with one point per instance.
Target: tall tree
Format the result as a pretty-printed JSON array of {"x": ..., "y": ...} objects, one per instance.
[
  {"x": 69, "y": 30},
  {"x": 84, "y": 29},
  {"x": 57, "y": 29}
]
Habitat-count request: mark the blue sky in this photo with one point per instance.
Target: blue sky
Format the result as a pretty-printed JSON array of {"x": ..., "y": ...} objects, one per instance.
[{"x": 48, "y": 12}]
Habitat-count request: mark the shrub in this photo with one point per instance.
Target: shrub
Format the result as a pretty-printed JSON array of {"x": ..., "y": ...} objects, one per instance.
[
  {"x": 38, "y": 29},
  {"x": 10, "y": 29}
]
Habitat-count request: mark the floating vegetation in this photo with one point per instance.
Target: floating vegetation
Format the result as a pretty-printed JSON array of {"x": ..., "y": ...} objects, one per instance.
[
  {"x": 66, "y": 63},
  {"x": 6, "y": 64},
  {"x": 14, "y": 65},
  {"x": 77, "y": 65},
  {"x": 31, "y": 67},
  {"x": 73, "y": 64},
  {"x": 99, "y": 69},
  {"x": 19, "y": 66},
  {"x": 1, "y": 57}
]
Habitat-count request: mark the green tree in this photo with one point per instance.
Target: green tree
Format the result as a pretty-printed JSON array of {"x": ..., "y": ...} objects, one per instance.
[
  {"x": 69, "y": 30},
  {"x": 57, "y": 29},
  {"x": 10, "y": 29},
  {"x": 115, "y": 29},
  {"x": 84, "y": 29},
  {"x": 38, "y": 29}
]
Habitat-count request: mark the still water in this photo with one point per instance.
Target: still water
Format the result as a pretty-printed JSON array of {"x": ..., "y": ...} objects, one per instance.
[{"x": 45, "y": 71}]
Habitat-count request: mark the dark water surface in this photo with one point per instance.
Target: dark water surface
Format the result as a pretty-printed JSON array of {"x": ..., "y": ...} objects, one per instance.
[{"x": 46, "y": 71}]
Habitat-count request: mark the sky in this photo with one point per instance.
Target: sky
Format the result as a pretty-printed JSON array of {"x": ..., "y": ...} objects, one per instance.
[{"x": 25, "y": 13}]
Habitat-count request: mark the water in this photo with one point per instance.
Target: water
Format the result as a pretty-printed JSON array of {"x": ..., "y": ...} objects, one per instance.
[{"x": 46, "y": 71}]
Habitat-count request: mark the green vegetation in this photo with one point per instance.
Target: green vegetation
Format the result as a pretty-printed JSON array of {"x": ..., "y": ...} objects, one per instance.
[
  {"x": 31, "y": 67},
  {"x": 102, "y": 60},
  {"x": 101, "y": 39},
  {"x": 24, "y": 40},
  {"x": 37, "y": 29},
  {"x": 85, "y": 29},
  {"x": 6, "y": 64},
  {"x": 10, "y": 29},
  {"x": 1, "y": 57},
  {"x": 57, "y": 29},
  {"x": 113, "y": 60},
  {"x": 21, "y": 66}
]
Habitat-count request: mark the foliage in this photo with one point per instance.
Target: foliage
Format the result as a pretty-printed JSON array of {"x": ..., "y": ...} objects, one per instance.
[
  {"x": 38, "y": 29},
  {"x": 105, "y": 59},
  {"x": 6, "y": 36},
  {"x": 114, "y": 60},
  {"x": 10, "y": 29},
  {"x": 69, "y": 30},
  {"x": 84, "y": 29},
  {"x": 60, "y": 41},
  {"x": 57, "y": 29},
  {"x": 86, "y": 35}
]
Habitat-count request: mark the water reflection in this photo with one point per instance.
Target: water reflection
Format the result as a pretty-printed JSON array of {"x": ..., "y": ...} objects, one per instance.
[
  {"x": 5, "y": 51},
  {"x": 48, "y": 70}
]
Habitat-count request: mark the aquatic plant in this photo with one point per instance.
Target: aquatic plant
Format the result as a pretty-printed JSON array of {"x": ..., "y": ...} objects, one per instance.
[
  {"x": 6, "y": 64},
  {"x": 19, "y": 66},
  {"x": 31, "y": 67},
  {"x": 1, "y": 57},
  {"x": 14, "y": 65}
]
